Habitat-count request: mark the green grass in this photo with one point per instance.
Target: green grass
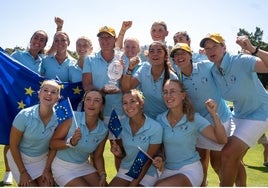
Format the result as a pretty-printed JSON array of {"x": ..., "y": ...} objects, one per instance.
[{"x": 256, "y": 172}]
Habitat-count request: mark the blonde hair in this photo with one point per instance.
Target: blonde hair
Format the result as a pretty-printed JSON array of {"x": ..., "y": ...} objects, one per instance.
[
  {"x": 137, "y": 93},
  {"x": 51, "y": 82},
  {"x": 86, "y": 39},
  {"x": 133, "y": 39}
]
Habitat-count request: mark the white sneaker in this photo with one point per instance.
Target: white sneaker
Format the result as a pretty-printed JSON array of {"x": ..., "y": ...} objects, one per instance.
[{"x": 8, "y": 178}]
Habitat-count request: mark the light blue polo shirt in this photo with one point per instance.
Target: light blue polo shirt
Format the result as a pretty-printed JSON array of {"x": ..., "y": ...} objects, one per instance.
[
  {"x": 36, "y": 136},
  {"x": 75, "y": 73},
  {"x": 239, "y": 83},
  {"x": 149, "y": 133},
  {"x": 180, "y": 141},
  {"x": 200, "y": 87},
  {"x": 25, "y": 58},
  {"x": 197, "y": 57},
  {"x": 152, "y": 90},
  {"x": 98, "y": 67},
  {"x": 53, "y": 70},
  {"x": 88, "y": 142}
]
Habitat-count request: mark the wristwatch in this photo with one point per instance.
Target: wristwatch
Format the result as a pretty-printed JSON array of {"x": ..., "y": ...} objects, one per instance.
[
  {"x": 129, "y": 72},
  {"x": 68, "y": 142}
]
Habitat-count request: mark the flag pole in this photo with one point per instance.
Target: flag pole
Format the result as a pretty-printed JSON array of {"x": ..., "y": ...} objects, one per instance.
[
  {"x": 145, "y": 153},
  {"x": 76, "y": 126}
]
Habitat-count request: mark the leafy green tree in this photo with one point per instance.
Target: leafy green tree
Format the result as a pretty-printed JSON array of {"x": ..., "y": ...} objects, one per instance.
[{"x": 256, "y": 39}]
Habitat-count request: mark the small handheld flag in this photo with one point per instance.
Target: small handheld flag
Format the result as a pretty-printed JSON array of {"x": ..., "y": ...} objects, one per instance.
[
  {"x": 137, "y": 165},
  {"x": 114, "y": 124},
  {"x": 63, "y": 110}
]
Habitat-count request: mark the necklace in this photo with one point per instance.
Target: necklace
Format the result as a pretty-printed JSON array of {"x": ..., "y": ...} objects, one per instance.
[
  {"x": 60, "y": 59},
  {"x": 173, "y": 120}
]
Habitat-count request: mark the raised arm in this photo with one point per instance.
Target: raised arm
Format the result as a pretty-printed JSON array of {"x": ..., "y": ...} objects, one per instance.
[
  {"x": 262, "y": 61},
  {"x": 59, "y": 22},
  {"x": 120, "y": 38}
]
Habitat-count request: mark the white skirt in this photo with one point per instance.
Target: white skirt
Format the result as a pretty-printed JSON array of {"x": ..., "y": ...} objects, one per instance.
[
  {"x": 249, "y": 131},
  {"x": 64, "y": 172},
  {"x": 147, "y": 181},
  {"x": 34, "y": 165},
  {"x": 194, "y": 173}
]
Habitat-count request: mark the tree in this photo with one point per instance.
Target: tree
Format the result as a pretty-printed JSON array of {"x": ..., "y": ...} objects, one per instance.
[{"x": 256, "y": 39}]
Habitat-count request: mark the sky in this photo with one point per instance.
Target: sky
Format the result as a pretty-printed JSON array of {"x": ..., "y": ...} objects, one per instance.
[{"x": 21, "y": 18}]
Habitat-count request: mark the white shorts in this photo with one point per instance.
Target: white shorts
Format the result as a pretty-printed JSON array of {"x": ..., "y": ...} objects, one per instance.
[
  {"x": 249, "y": 131},
  {"x": 34, "y": 165},
  {"x": 206, "y": 143},
  {"x": 64, "y": 172},
  {"x": 194, "y": 173},
  {"x": 147, "y": 181}
]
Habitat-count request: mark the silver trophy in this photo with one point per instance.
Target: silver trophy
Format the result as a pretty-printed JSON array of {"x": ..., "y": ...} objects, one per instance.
[{"x": 115, "y": 70}]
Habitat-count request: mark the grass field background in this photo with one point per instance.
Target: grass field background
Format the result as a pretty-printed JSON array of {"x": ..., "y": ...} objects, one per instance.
[{"x": 257, "y": 174}]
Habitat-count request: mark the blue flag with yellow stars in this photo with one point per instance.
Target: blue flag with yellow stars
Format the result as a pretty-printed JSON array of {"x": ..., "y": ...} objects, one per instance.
[
  {"x": 114, "y": 124},
  {"x": 19, "y": 89},
  {"x": 137, "y": 165},
  {"x": 63, "y": 110}
]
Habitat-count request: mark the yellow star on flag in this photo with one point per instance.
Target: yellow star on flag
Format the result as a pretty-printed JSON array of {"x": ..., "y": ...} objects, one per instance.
[
  {"x": 21, "y": 105},
  {"x": 77, "y": 90},
  {"x": 29, "y": 91}
]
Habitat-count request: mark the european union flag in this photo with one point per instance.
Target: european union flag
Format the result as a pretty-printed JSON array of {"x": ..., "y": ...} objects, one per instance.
[
  {"x": 114, "y": 124},
  {"x": 137, "y": 165},
  {"x": 19, "y": 89},
  {"x": 63, "y": 110}
]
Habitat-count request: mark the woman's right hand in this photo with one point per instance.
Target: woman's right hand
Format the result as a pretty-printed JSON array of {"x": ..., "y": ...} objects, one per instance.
[
  {"x": 25, "y": 179},
  {"x": 76, "y": 137}
]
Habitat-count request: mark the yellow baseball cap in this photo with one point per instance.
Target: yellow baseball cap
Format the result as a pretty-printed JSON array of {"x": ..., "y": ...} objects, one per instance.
[
  {"x": 107, "y": 29},
  {"x": 180, "y": 46},
  {"x": 216, "y": 37}
]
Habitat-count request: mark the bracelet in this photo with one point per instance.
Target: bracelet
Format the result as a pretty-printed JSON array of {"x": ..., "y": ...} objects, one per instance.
[
  {"x": 214, "y": 115},
  {"x": 23, "y": 171},
  {"x": 129, "y": 72},
  {"x": 68, "y": 142},
  {"x": 121, "y": 34},
  {"x": 103, "y": 174},
  {"x": 256, "y": 51}
]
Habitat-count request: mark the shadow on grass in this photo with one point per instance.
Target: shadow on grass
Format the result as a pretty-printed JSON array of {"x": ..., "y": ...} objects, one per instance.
[
  {"x": 259, "y": 168},
  {"x": 3, "y": 185}
]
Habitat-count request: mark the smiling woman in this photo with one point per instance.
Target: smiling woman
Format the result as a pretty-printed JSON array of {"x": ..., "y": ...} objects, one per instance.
[{"x": 29, "y": 156}]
